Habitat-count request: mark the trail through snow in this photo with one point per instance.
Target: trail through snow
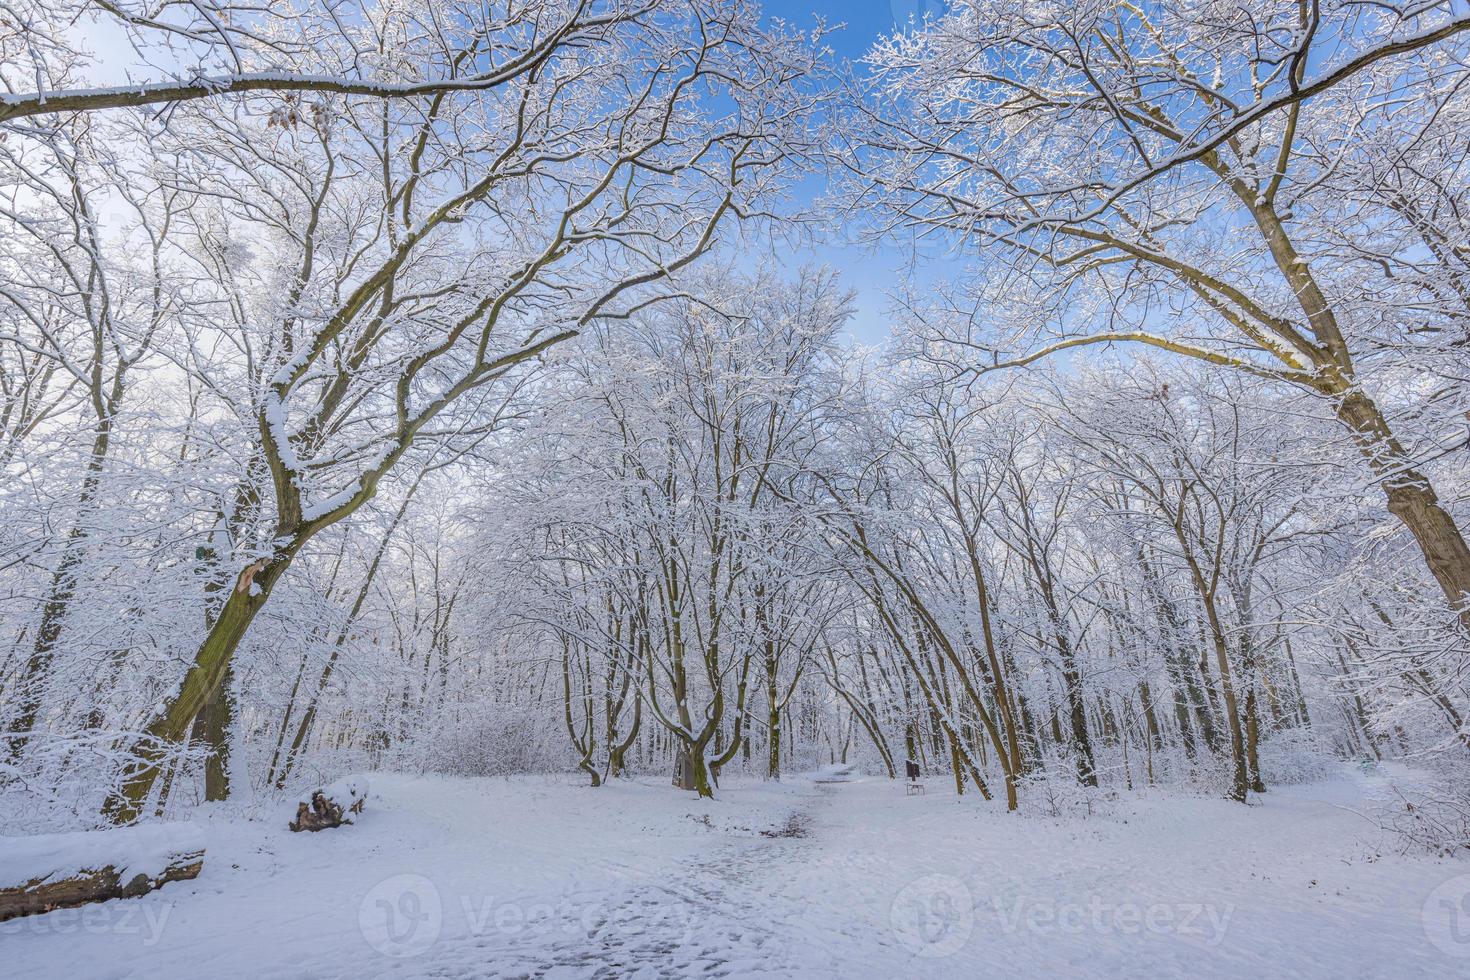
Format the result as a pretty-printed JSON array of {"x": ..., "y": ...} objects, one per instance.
[{"x": 545, "y": 878}]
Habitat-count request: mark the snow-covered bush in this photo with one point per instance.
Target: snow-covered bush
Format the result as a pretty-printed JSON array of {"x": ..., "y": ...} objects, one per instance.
[
  {"x": 1053, "y": 790},
  {"x": 66, "y": 778},
  {"x": 1431, "y": 825},
  {"x": 1432, "y": 817},
  {"x": 1294, "y": 756},
  {"x": 502, "y": 742}
]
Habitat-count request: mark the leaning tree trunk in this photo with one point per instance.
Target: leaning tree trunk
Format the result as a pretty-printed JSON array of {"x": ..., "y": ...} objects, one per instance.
[
  {"x": 205, "y": 676},
  {"x": 215, "y": 723},
  {"x": 1411, "y": 498}
]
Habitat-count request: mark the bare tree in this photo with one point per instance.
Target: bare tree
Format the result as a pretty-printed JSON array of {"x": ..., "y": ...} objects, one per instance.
[
  {"x": 1159, "y": 176},
  {"x": 491, "y": 249}
]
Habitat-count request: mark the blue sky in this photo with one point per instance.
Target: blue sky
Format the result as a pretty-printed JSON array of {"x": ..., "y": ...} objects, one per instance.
[
  {"x": 865, "y": 19},
  {"x": 871, "y": 274}
]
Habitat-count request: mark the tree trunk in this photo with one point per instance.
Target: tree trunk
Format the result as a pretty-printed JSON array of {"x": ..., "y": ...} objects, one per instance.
[
  {"x": 1252, "y": 736},
  {"x": 955, "y": 763},
  {"x": 211, "y": 663},
  {"x": 1411, "y": 498},
  {"x": 617, "y": 753},
  {"x": 212, "y": 729},
  {"x": 182, "y": 846},
  {"x": 1182, "y": 705},
  {"x": 1076, "y": 711},
  {"x": 773, "y": 724},
  {"x": 1146, "y": 697},
  {"x": 1239, "y": 781},
  {"x": 690, "y": 770}
]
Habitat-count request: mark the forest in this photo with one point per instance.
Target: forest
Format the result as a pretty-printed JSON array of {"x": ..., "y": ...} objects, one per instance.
[{"x": 602, "y": 415}]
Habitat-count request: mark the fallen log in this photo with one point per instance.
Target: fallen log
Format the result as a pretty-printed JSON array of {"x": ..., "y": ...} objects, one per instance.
[
  {"x": 52, "y": 871},
  {"x": 331, "y": 806}
]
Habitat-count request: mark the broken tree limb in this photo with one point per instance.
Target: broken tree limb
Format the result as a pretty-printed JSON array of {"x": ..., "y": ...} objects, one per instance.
[
  {"x": 52, "y": 871},
  {"x": 331, "y": 806}
]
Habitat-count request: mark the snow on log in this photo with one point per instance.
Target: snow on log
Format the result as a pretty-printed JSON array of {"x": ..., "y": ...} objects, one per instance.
[
  {"x": 51, "y": 871},
  {"x": 332, "y": 805}
]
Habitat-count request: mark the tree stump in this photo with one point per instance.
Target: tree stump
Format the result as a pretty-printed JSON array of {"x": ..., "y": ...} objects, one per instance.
[
  {"x": 331, "y": 806},
  {"x": 52, "y": 871}
]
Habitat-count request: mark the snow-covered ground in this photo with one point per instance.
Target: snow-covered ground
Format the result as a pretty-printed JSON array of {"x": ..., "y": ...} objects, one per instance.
[{"x": 545, "y": 877}]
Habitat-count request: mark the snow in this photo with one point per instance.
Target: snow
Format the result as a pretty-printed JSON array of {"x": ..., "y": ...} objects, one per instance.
[
  {"x": 146, "y": 849},
  {"x": 547, "y": 877},
  {"x": 275, "y": 419},
  {"x": 275, "y": 414},
  {"x": 838, "y": 772},
  {"x": 315, "y": 509}
]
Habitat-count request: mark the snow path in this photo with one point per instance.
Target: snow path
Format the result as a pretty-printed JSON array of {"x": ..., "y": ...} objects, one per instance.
[
  {"x": 718, "y": 921},
  {"x": 456, "y": 878}
]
